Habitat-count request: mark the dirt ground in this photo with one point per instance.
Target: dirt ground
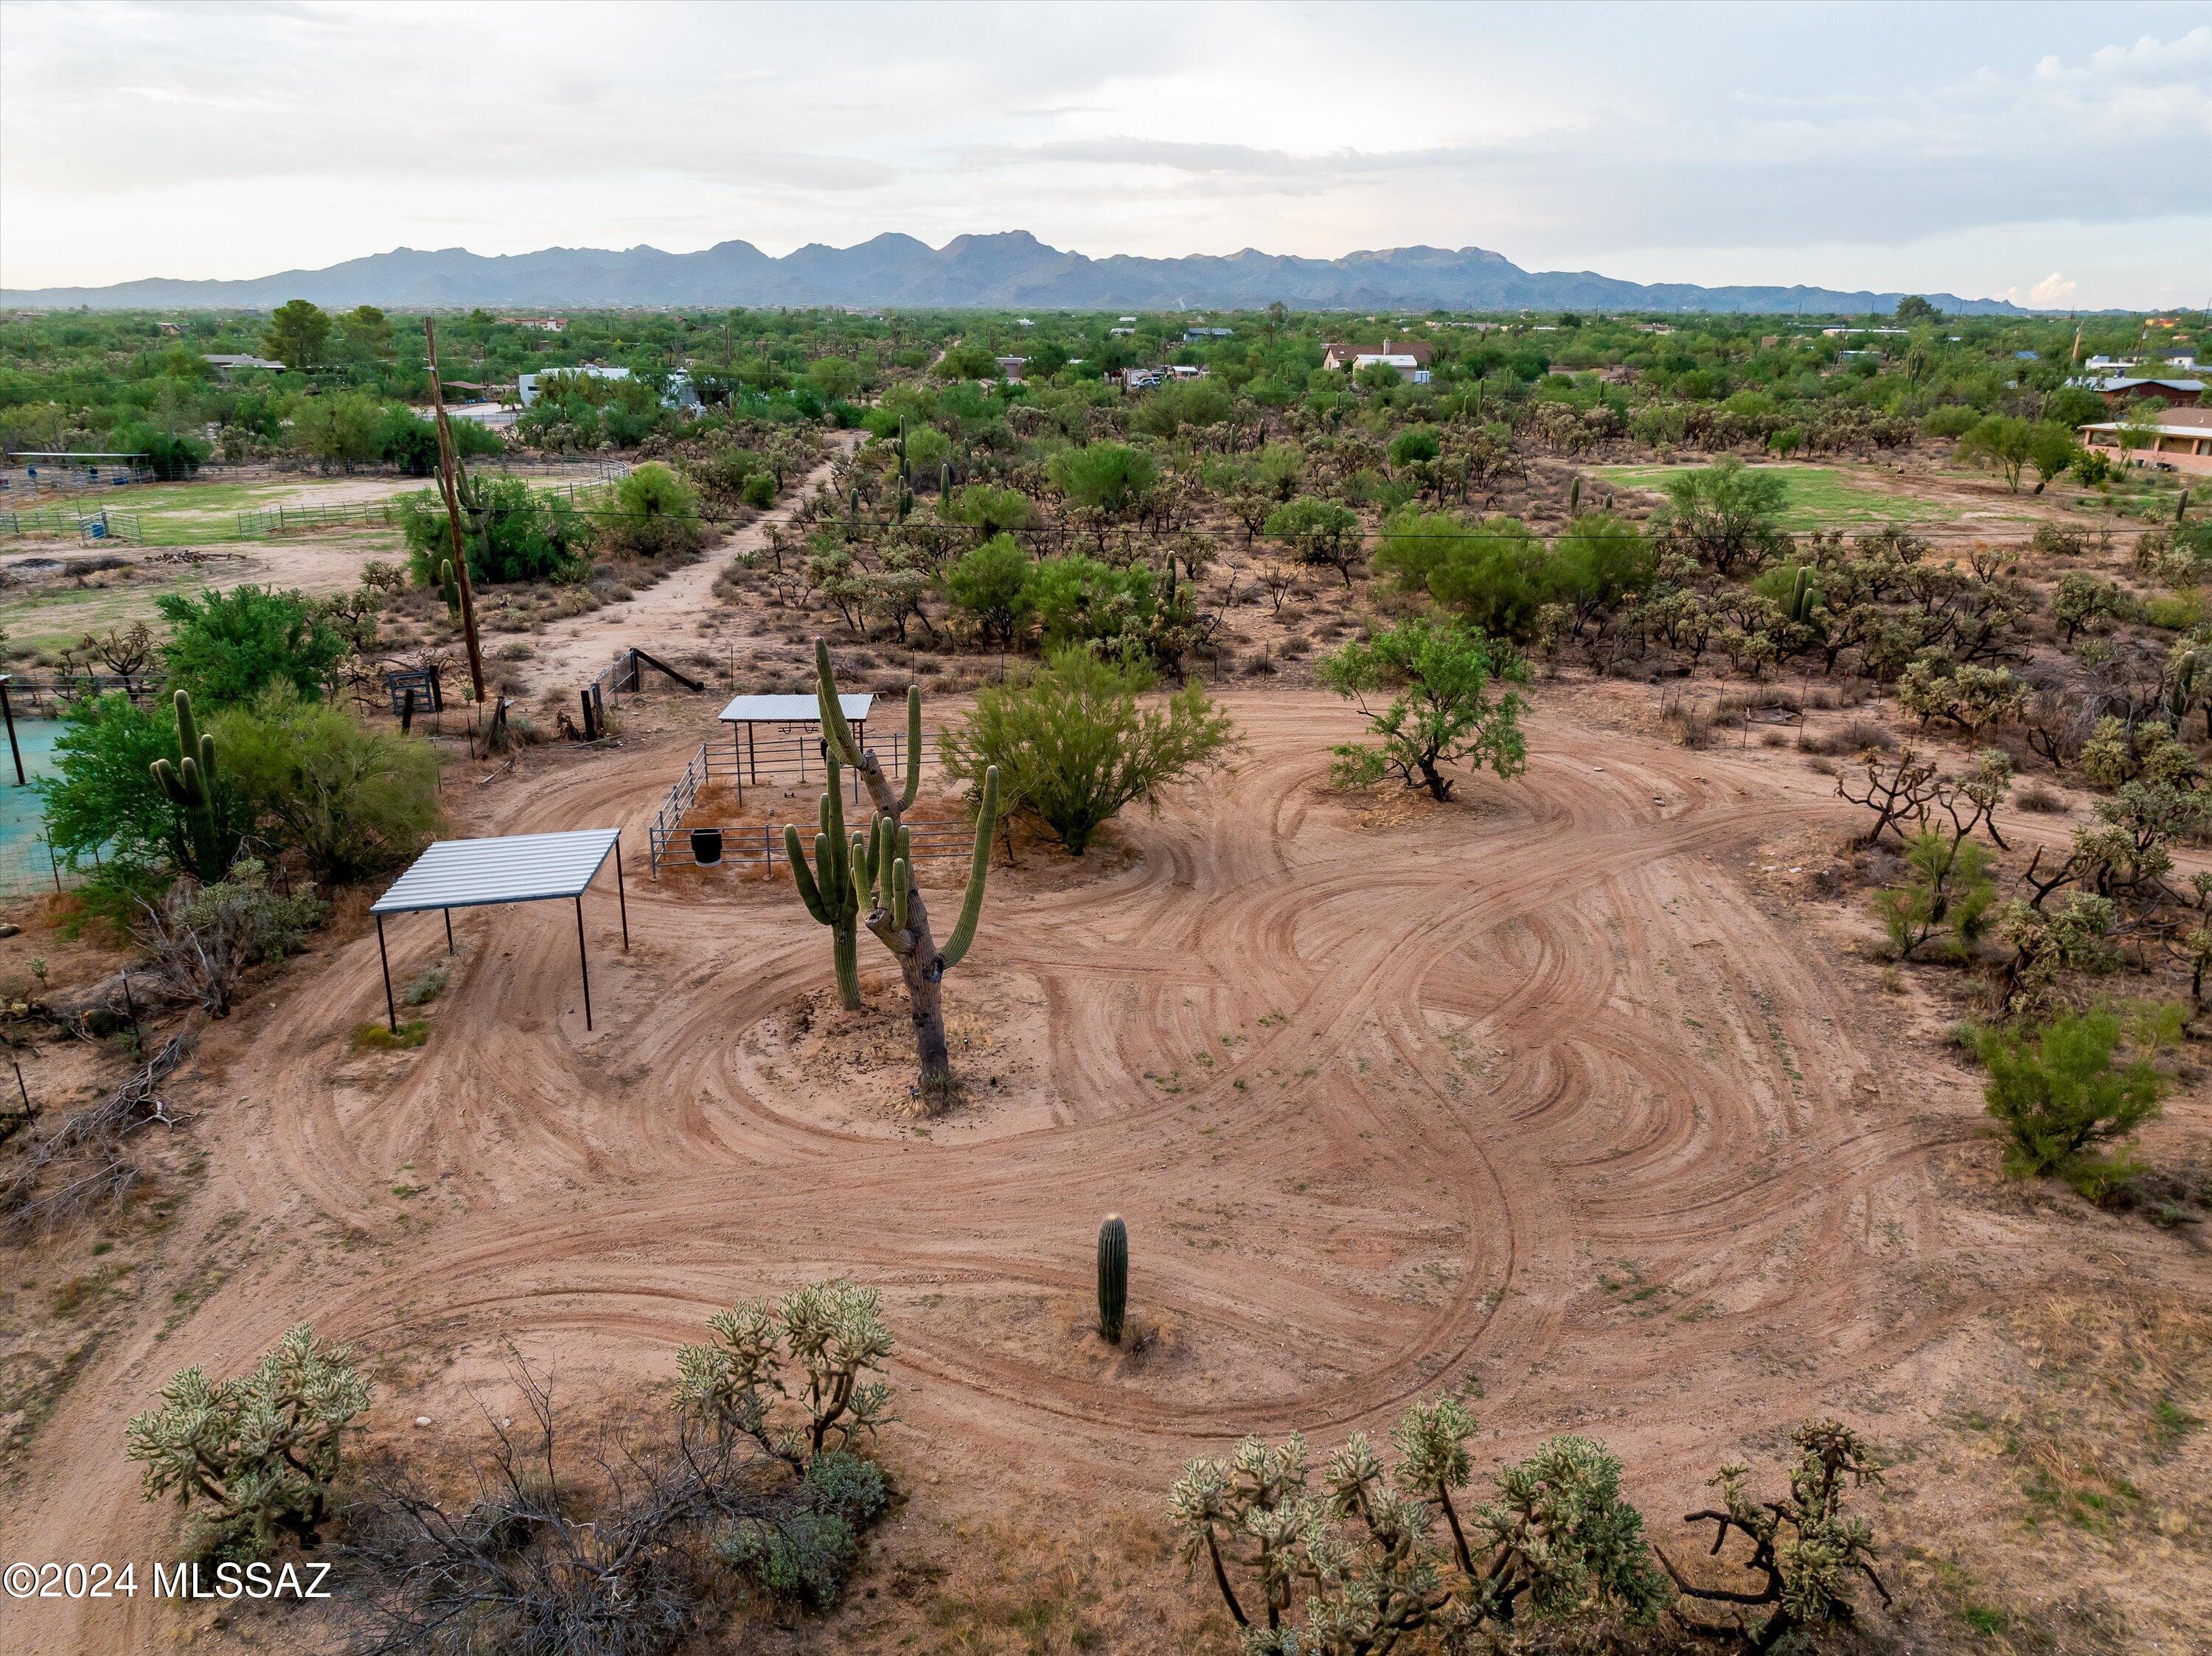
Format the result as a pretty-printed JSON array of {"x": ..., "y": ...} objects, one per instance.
[
  {"x": 1571, "y": 1092},
  {"x": 1584, "y": 1092}
]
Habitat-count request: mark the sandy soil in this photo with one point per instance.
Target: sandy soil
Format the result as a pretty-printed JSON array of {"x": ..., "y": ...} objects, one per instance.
[{"x": 1546, "y": 1090}]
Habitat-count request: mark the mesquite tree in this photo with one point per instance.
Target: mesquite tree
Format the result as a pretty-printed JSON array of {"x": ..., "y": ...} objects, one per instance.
[{"x": 883, "y": 875}]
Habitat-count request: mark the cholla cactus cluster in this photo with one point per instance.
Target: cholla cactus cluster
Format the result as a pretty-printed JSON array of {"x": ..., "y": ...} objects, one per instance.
[
  {"x": 254, "y": 1457},
  {"x": 1806, "y": 1550},
  {"x": 810, "y": 1352},
  {"x": 1360, "y": 1562}
]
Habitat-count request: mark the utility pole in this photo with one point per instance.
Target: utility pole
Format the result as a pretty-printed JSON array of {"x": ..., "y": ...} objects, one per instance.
[{"x": 449, "y": 486}]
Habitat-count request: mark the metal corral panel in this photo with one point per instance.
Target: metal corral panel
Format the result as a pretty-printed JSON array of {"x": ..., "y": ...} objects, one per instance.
[
  {"x": 517, "y": 868},
  {"x": 790, "y": 709}
]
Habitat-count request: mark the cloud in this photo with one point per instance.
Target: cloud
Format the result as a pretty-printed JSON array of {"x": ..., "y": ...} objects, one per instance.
[
  {"x": 238, "y": 139},
  {"x": 2053, "y": 292}
]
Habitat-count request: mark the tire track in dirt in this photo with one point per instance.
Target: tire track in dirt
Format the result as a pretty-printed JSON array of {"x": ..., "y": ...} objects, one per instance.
[{"x": 1529, "y": 1090}]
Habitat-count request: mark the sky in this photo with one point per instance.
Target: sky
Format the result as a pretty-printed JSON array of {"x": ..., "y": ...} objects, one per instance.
[{"x": 2059, "y": 156}]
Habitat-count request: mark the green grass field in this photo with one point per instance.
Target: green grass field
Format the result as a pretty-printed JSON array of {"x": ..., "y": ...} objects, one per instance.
[{"x": 1816, "y": 497}]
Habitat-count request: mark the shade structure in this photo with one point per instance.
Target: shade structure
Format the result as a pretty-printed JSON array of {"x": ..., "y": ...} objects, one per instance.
[
  {"x": 514, "y": 868},
  {"x": 791, "y": 709},
  {"x": 744, "y": 712}
]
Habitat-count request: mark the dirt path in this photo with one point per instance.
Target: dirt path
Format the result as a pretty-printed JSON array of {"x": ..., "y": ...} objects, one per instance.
[
  {"x": 1535, "y": 1093},
  {"x": 568, "y": 654}
]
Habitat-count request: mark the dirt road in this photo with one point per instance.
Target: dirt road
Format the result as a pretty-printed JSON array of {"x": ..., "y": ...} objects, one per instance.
[
  {"x": 568, "y": 654},
  {"x": 1534, "y": 1093}
]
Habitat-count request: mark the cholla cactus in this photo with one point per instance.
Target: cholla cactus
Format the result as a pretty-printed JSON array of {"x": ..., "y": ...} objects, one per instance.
[
  {"x": 255, "y": 1455},
  {"x": 831, "y": 1334},
  {"x": 1359, "y": 1566},
  {"x": 1806, "y": 1548}
]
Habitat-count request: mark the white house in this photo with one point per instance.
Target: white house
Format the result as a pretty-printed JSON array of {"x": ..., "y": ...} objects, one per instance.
[{"x": 680, "y": 394}]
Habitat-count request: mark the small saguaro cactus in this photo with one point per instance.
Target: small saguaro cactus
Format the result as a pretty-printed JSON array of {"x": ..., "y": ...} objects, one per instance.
[
  {"x": 883, "y": 879},
  {"x": 449, "y": 587},
  {"x": 1113, "y": 1278},
  {"x": 189, "y": 786},
  {"x": 830, "y": 888},
  {"x": 1803, "y": 595}
]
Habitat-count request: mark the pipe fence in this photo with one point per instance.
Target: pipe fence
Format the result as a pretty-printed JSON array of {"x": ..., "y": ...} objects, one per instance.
[{"x": 795, "y": 756}]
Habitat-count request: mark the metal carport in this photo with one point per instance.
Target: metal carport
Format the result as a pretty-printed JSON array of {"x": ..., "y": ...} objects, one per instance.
[{"x": 515, "y": 868}]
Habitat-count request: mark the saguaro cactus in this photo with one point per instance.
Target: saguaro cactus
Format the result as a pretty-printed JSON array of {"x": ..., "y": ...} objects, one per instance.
[
  {"x": 1113, "y": 1278},
  {"x": 830, "y": 888},
  {"x": 883, "y": 876},
  {"x": 449, "y": 588},
  {"x": 1803, "y": 595},
  {"x": 189, "y": 786}
]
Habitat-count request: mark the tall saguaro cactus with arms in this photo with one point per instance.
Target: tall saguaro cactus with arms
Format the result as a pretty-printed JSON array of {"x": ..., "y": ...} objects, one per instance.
[
  {"x": 189, "y": 786},
  {"x": 881, "y": 869},
  {"x": 829, "y": 888}
]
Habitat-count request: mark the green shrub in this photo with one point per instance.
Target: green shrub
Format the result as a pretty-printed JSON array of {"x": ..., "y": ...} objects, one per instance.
[
  {"x": 101, "y": 798},
  {"x": 806, "y": 1551},
  {"x": 759, "y": 491},
  {"x": 655, "y": 513},
  {"x": 379, "y": 1038},
  {"x": 511, "y": 533},
  {"x": 1080, "y": 600},
  {"x": 2060, "y": 1097},
  {"x": 225, "y": 648},
  {"x": 1947, "y": 890},
  {"x": 348, "y": 798},
  {"x": 1495, "y": 573},
  {"x": 990, "y": 585},
  {"x": 1074, "y": 742}
]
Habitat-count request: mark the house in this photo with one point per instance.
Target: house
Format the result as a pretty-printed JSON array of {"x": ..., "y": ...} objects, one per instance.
[
  {"x": 1119, "y": 332},
  {"x": 227, "y": 363},
  {"x": 542, "y": 324},
  {"x": 2183, "y": 443},
  {"x": 1011, "y": 366},
  {"x": 1185, "y": 371},
  {"x": 526, "y": 384},
  {"x": 1125, "y": 319},
  {"x": 681, "y": 393},
  {"x": 2119, "y": 389},
  {"x": 1192, "y": 336},
  {"x": 1411, "y": 358},
  {"x": 1140, "y": 378}
]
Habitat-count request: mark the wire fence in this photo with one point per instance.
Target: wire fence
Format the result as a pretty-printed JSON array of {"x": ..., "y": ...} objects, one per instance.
[
  {"x": 792, "y": 754},
  {"x": 389, "y": 514},
  {"x": 29, "y": 868}
]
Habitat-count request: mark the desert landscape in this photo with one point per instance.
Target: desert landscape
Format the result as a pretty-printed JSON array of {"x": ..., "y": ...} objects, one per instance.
[{"x": 956, "y": 947}]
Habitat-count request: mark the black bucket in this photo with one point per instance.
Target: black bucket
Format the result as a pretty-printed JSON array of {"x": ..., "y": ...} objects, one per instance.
[{"x": 706, "y": 846}]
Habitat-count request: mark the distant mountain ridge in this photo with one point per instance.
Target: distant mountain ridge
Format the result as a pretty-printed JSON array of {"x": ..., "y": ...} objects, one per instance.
[{"x": 1012, "y": 270}]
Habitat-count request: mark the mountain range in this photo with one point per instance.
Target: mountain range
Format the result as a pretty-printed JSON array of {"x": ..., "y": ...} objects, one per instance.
[{"x": 1010, "y": 271}]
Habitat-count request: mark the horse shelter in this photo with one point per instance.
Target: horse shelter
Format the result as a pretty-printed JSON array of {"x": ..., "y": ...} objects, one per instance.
[{"x": 513, "y": 868}]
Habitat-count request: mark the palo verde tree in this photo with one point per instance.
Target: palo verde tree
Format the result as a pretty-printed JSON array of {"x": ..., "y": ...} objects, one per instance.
[
  {"x": 1441, "y": 710},
  {"x": 886, "y": 889}
]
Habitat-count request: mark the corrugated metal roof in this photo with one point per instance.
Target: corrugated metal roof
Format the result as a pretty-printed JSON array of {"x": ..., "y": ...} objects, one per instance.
[
  {"x": 517, "y": 868},
  {"x": 789, "y": 709}
]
